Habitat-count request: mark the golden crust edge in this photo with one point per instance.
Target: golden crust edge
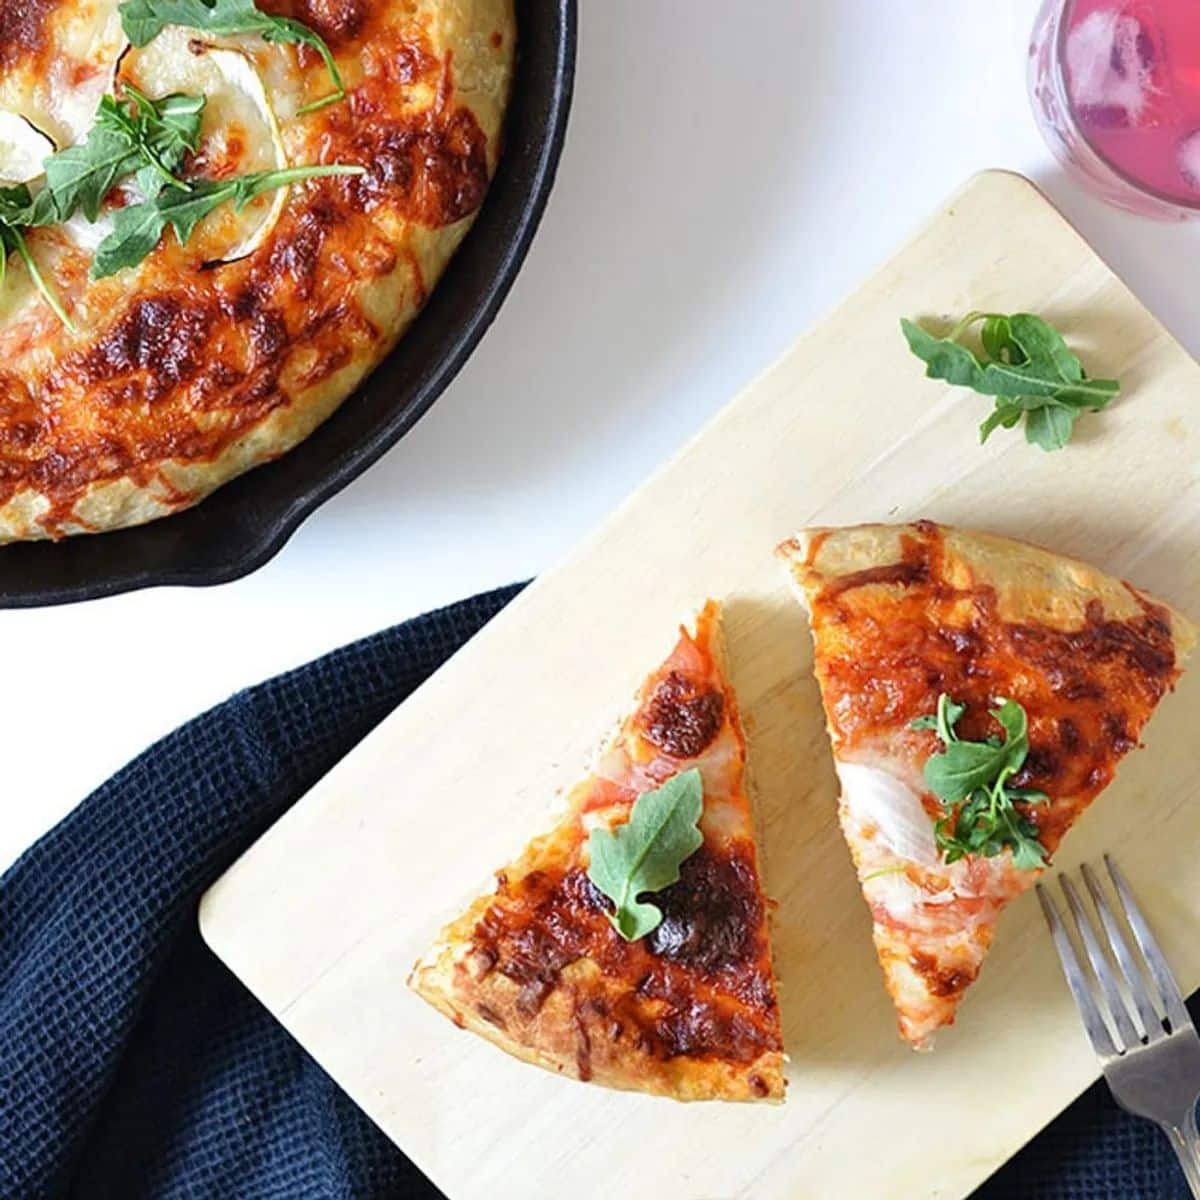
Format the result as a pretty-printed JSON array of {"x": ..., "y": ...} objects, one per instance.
[
  {"x": 877, "y": 543},
  {"x": 690, "y": 1079}
]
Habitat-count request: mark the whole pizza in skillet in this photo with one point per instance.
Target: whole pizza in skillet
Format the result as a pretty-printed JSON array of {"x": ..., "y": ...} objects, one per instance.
[{"x": 216, "y": 217}]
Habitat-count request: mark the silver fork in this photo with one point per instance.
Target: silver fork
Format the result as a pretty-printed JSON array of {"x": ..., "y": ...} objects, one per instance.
[{"x": 1134, "y": 1014}]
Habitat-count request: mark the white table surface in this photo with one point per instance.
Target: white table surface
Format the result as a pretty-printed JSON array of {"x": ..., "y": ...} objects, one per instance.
[{"x": 726, "y": 180}]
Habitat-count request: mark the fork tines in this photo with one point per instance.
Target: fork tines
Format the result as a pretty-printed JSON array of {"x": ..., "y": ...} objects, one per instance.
[{"x": 1126, "y": 999}]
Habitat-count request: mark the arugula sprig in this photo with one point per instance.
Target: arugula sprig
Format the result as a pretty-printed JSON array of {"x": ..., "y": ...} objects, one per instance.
[
  {"x": 16, "y": 209},
  {"x": 148, "y": 139},
  {"x": 144, "y": 20},
  {"x": 1025, "y": 366},
  {"x": 142, "y": 137},
  {"x": 161, "y": 133},
  {"x": 644, "y": 854},
  {"x": 971, "y": 779},
  {"x": 137, "y": 228}
]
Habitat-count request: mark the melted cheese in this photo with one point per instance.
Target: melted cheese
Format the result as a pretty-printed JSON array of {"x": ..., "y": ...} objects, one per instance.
[
  {"x": 876, "y": 798},
  {"x": 23, "y": 149},
  {"x": 59, "y": 90}
]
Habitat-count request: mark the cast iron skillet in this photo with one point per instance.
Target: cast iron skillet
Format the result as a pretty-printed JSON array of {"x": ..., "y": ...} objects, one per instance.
[{"x": 241, "y": 525}]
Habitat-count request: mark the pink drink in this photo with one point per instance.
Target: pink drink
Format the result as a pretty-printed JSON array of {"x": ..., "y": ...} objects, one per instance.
[{"x": 1131, "y": 74}]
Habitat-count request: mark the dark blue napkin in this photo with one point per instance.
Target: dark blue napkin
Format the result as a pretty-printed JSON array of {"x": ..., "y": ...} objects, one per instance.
[{"x": 133, "y": 1064}]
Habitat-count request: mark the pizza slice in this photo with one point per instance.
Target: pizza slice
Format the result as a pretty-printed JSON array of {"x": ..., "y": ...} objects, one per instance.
[
  {"x": 979, "y": 693},
  {"x": 628, "y": 946}
]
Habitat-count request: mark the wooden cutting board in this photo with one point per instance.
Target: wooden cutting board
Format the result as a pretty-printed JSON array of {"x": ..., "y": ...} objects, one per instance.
[{"x": 323, "y": 918}]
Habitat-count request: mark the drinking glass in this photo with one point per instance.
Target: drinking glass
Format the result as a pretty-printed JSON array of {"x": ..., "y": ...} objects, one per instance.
[{"x": 1115, "y": 86}]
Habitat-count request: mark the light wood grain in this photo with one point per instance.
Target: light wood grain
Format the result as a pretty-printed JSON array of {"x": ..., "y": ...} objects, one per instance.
[{"x": 324, "y": 916}]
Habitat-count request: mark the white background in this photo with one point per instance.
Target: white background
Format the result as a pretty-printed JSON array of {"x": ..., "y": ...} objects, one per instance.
[{"x": 731, "y": 172}]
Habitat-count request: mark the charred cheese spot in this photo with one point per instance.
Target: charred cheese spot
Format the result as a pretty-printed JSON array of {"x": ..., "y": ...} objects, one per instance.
[
  {"x": 660, "y": 993},
  {"x": 1068, "y": 733},
  {"x": 161, "y": 339},
  {"x": 490, "y": 1015},
  {"x": 434, "y": 173},
  {"x": 710, "y": 916},
  {"x": 337, "y": 21},
  {"x": 905, "y": 573},
  {"x": 943, "y": 982},
  {"x": 532, "y": 996},
  {"x": 410, "y": 63},
  {"x": 24, "y": 423},
  {"x": 479, "y": 963},
  {"x": 23, "y": 25},
  {"x": 683, "y": 716}
]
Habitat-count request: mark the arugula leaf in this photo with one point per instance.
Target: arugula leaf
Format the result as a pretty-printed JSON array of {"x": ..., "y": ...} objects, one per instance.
[
  {"x": 80, "y": 176},
  {"x": 144, "y": 20},
  {"x": 961, "y": 769},
  {"x": 145, "y": 136},
  {"x": 997, "y": 337},
  {"x": 160, "y": 133},
  {"x": 39, "y": 280},
  {"x": 15, "y": 205},
  {"x": 1039, "y": 340},
  {"x": 1006, "y": 414},
  {"x": 178, "y": 116},
  {"x": 972, "y": 781},
  {"x": 645, "y": 853},
  {"x": 1050, "y": 428},
  {"x": 1027, "y": 368},
  {"x": 1015, "y": 724},
  {"x": 137, "y": 228}
]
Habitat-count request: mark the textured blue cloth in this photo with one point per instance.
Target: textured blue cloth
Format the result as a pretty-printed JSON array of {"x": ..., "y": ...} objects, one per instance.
[{"x": 132, "y": 1064}]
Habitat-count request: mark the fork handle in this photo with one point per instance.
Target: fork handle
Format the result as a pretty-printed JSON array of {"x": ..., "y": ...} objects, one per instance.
[{"x": 1186, "y": 1143}]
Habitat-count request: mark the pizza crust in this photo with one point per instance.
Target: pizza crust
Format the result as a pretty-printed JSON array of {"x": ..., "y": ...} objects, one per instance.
[{"x": 1031, "y": 584}]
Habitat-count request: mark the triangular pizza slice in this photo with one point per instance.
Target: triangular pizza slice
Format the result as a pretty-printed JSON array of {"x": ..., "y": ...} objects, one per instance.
[
  {"x": 629, "y": 946},
  {"x": 979, "y": 693}
]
